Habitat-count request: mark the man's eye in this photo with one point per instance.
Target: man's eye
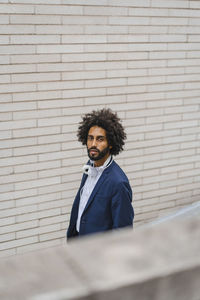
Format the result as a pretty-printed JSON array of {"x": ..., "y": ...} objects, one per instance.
[{"x": 101, "y": 139}]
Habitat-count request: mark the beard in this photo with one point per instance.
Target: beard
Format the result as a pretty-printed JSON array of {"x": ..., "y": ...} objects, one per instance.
[{"x": 100, "y": 155}]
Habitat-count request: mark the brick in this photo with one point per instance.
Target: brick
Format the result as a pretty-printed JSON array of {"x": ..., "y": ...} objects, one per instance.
[
  {"x": 192, "y": 115},
  {"x": 63, "y": 67},
  {"x": 52, "y": 220},
  {"x": 35, "y": 19},
  {"x": 14, "y": 88},
  {"x": 37, "y": 114},
  {"x": 84, "y": 20},
  {"x": 60, "y": 49},
  {"x": 17, "y": 160},
  {"x": 36, "y": 149},
  {"x": 127, "y": 56},
  {"x": 17, "y": 243},
  {"x": 52, "y": 204},
  {"x": 5, "y": 134},
  {"x": 130, "y": 3},
  {"x": 17, "y": 194},
  {"x": 38, "y": 77},
  {"x": 20, "y": 226},
  {"x": 10, "y": 69},
  {"x": 35, "y": 39},
  {"x": 17, "y": 124},
  {"x": 129, "y": 20},
  {"x": 169, "y": 21},
  {"x": 194, "y": 4},
  {"x": 105, "y": 65},
  {"x": 148, "y": 29},
  {"x": 178, "y": 153},
  {"x": 180, "y": 124},
  {"x": 7, "y": 204},
  {"x": 167, "y": 55},
  {"x": 86, "y": 2},
  {"x": 83, "y": 75},
  {"x": 36, "y": 1},
  {"x": 4, "y": 20},
  {"x": 85, "y": 57},
  {"x": 5, "y": 117},
  {"x": 105, "y": 11},
  {"x": 170, "y": 4},
  {"x": 16, "y": 178},
  {"x": 36, "y": 183},
  {"x": 146, "y": 80},
  {"x": 15, "y": 107},
  {"x": 35, "y": 132},
  {"x": 166, "y": 71},
  {"x": 6, "y": 171},
  {"x": 4, "y": 40},
  {"x": 63, "y": 85},
  {"x": 42, "y": 95},
  {"x": 35, "y": 58},
  {"x": 148, "y": 12},
  {"x": 35, "y": 199},
  {"x": 7, "y": 237},
  {"x": 4, "y": 60},
  {"x": 165, "y": 87},
  {"x": 159, "y": 192},
  {"x": 58, "y": 10},
  {"x": 37, "y": 246},
  {"x": 53, "y": 235},
  {"x": 105, "y": 82},
  {"x": 176, "y": 168},
  {"x": 5, "y": 153},
  {"x": 106, "y": 29},
  {"x": 126, "y": 73},
  {"x": 4, "y": 78},
  {"x": 17, "y": 49},
  {"x": 7, "y": 221},
  {"x": 59, "y": 29},
  {"x": 84, "y": 39},
  {"x": 17, "y": 29},
  {"x": 16, "y": 9},
  {"x": 60, "y": 103}
]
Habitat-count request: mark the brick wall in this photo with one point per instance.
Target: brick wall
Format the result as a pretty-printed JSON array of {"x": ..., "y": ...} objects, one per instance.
[{"x": 60, "y": 59}]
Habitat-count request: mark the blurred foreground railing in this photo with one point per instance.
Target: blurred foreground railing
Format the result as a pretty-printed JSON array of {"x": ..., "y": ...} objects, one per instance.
[{"x": 154, "y": 263}]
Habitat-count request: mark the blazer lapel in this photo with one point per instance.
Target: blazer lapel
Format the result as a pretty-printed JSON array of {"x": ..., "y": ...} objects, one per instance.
[{"x": 96, "y": 188}]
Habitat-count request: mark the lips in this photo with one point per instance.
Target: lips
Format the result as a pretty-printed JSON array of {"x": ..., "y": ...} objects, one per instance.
[{"x": 93, "y": 151}]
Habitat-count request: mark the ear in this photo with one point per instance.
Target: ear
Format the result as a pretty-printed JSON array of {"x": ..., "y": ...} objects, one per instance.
[{"x": 110, "y": 147}]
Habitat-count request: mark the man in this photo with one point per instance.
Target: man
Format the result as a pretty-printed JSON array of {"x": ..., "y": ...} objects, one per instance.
[{"x": 103, "y": 201}]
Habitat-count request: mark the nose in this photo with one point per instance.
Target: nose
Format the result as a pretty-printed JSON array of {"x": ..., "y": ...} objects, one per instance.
[{"x": 94, "y": 143}]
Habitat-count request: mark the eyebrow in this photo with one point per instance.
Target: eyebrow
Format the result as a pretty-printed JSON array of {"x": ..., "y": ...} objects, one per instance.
[{"x": 98, "y": 136}]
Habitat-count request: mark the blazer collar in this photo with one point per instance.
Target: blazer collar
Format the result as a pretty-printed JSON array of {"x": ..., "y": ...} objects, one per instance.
[{"x": 98, "y": 184}]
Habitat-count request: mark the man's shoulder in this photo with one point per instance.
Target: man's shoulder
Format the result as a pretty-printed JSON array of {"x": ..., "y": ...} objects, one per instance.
[{"x": 117, "y": 173}]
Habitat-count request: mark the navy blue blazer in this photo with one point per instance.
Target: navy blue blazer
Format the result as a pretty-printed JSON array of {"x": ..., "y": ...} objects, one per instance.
[{"x": 108, "y": 207}]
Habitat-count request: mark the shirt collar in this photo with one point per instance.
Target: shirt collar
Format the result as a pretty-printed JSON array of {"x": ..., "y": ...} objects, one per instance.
[{"x": 101, "y": 168}]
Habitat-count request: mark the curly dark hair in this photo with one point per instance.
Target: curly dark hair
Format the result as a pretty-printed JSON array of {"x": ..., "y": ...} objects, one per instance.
[{"x": 110, "y": 122}]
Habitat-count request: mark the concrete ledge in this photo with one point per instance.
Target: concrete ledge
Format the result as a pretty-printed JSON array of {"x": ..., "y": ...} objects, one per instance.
[{"x": 158, "y": 263}]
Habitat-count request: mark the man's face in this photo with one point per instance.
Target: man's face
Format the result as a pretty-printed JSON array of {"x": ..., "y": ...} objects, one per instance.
[{"x": 97, "y": 144}]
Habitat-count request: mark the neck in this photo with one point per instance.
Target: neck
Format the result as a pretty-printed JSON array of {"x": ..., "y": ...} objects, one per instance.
[{"x": 100, "y": 162}]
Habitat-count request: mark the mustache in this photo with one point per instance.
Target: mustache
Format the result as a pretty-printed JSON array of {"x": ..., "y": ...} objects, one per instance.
[{"x": 93, "y": 148}]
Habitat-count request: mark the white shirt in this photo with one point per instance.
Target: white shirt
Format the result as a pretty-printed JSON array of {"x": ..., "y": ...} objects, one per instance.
[{"x": 93, "y": 176}]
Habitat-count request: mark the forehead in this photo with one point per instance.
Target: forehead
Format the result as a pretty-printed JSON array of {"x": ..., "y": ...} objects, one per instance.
[{"x": 97, "y": 131}]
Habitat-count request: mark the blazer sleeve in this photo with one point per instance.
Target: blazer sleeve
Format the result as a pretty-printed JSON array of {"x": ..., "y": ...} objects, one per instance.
[{"x": 122, "y": 210}]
